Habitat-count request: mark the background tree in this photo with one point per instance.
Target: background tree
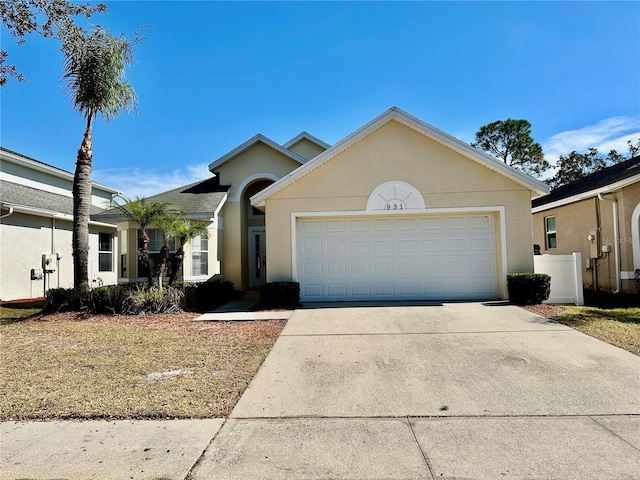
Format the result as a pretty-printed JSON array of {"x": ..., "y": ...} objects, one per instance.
[
  {"x": 145, "y": 213},
  {"x": 576, "y": 165},
  {"x": 94, "y": 67},
  {"x": 49, "y": 18},
  {"x": 510, "y": 140},
  {"x": 183, "y": 231}
]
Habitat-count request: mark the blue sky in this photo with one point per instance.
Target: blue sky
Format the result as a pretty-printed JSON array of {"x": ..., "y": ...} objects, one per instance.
[{"x": 212, "y": 74}]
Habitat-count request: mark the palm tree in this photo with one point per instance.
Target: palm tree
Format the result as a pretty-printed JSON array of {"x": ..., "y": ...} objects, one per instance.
[
  {"x": 144, "y": 213},
  {"x": 184, "y": 231},
  {"x": 94, "y": 66}
]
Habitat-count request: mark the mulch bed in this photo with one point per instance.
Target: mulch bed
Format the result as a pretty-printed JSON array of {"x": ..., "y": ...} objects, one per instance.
[
  {"x": 180, "y": 322},
  {"x": 544, "y": 310}
]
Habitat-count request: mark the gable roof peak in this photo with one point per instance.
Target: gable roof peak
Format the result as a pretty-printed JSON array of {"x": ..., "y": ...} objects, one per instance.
[
  {"x": 305, "y": 136},
  {"x": 257, "y": 138},
  {"x": 536, "y": 187}
]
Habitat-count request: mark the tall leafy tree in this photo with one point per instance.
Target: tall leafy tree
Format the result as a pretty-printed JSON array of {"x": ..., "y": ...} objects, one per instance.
[
  {"x": 94, "y": 69},
  {"x": 576, "y": 165},
  {"x": 183, "y": 231},
  {"x": 49, "y": 18},
  {"x": 510, "y": 140},
  {"x": 145, "y": 213}
]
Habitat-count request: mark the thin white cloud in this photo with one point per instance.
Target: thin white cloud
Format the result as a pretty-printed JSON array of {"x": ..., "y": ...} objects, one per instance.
[
  {"x": 135, "y": 182},
  {"x": 606, "y": 135}
]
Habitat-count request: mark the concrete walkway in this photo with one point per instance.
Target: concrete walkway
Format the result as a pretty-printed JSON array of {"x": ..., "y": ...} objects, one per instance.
[
  {"x": 242, "y": 310},
  {"x": 392, "y": 392}
]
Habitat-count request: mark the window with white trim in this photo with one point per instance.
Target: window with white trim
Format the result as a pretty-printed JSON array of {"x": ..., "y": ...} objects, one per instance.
[
  {"x": 200, "y": 255},
  {"x": 156, "y": 241},
  {"x": 105, "y": 252},
  {"x": 550, "y": 229}
]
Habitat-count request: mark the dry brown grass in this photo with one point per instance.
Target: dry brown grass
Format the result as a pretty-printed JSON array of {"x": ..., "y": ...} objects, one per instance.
[
  {"x": 617, "y": 326},
  {"x": 154, "y": 366}
]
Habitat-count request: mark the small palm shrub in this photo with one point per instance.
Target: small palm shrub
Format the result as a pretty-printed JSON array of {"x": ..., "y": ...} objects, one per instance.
[
  {"x": 152, "y": 300},
  {"x": 528, "y": 288}
]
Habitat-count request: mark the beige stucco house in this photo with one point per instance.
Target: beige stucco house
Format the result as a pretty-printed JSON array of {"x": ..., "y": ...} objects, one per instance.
[
  {"x": 399, "y": 210},
  {"x": 396, "y": 210},
  {"x": 36, "y": 218},
  {"x": 234, "y": 248},
  {"x": 598, "y": 216}
]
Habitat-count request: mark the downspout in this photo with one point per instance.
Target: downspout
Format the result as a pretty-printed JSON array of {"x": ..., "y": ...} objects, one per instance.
[
  {"x": 7, "y": 214},
  {"x": 616, "y": 240}
]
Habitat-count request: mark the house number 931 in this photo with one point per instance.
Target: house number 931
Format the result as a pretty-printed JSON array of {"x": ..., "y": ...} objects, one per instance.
[{"x": 395, "y": 205}]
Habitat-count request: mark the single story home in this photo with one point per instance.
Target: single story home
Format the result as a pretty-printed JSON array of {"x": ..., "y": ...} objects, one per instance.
[
  {"x": 399, "y": 210},
  {"x": 598, "y": 216},
  {"x": 396, "y": 210},
  {"x": 36, "y": 218}
]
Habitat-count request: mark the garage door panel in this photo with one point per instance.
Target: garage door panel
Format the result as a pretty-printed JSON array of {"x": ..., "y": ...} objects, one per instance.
[{"x": 428, "y": 257}]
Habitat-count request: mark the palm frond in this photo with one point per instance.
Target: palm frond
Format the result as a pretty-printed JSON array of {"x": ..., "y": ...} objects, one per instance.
[
  {"x": 94, "y": 69},
  {"x": 145, "y": 212}
]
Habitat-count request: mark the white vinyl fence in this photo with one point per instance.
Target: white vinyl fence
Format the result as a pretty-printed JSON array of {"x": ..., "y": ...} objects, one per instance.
[{"x": 566, "y": 276}]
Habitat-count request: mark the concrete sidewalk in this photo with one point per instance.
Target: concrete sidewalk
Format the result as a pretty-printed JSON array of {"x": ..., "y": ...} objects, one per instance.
[
  {"x": 392, "y": 392},
  {"x": 242, "y": 310}
]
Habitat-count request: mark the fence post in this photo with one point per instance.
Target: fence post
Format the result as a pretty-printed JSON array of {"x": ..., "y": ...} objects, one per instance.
[{"x": 577, "y": 265}]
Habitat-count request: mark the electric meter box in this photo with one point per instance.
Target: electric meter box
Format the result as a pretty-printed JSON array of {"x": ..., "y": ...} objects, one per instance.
[{"x": 48, "y": 263}]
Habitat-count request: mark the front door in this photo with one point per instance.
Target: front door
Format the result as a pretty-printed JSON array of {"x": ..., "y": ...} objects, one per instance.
[{"x": 257, "y": 257}]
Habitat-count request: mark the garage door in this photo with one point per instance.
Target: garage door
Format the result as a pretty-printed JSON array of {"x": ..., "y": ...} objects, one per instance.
[{"x": 445, "y": 257}]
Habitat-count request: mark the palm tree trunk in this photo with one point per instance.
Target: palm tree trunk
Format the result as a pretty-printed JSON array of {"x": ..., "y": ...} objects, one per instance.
[
  {"x": 162, "y": 267},
  {"x": 176, "y": 263},
  {"x": 81, "y": 212},
  {"x": 143, "y": 255}
]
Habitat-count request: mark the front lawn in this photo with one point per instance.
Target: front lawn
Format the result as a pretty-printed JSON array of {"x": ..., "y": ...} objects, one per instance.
[
  {"x": 617, "y": 326},
  {"x": 118, "y": 367}
]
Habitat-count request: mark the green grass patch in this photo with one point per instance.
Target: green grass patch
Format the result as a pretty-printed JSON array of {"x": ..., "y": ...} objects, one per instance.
[
  {"x": 617, "y": 326},
  {"x": 90, "y": 370},
  {"x": 15, "y": 314}
]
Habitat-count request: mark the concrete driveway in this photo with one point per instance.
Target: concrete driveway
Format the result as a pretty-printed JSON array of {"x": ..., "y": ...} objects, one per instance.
[{"x": 458, "y": 390}]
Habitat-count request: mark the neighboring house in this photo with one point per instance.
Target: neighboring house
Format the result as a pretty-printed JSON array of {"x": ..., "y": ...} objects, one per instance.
[
  {"x": 598, "y": 216},
  {"x": 36, "y": 210},
  {"x": 398, "y": 210}
]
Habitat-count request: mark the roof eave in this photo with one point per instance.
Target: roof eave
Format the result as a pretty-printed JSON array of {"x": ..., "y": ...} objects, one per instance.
[
  {"x": 588, "y": 194},
  {"x": 536, "y": 187},
  {"x": 36, "y": 165}
]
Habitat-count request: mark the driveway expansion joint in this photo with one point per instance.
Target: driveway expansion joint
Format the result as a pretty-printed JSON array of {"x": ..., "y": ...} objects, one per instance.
[
  {"x": 383, "y": 334},
  {"x": 593, "y": 417},
  {"x": 424, "y": 455}
]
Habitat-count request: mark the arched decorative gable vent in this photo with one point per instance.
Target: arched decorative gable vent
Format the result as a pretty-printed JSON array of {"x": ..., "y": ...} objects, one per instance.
[{"x": 395, "y": 195}]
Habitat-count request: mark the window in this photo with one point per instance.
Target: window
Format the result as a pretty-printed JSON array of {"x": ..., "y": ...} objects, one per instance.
[
  {"x": 156, "y": 241},
  {"x": 200, "y": 255},
  {"x": 255, "y": 213},
  {"x": 105, "y": 252},
  {"x": 550, "y": 228}
]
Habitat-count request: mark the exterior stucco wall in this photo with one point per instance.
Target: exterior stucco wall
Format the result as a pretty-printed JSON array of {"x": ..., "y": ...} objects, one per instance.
[
  {"x": 576, "y": 220},
  {"x": 306, "y": 149},
  {"x": 394, "y": 152},
  {"x": 258, "y": 163},
  {"x": 25, "y": 238},
  {"x": 259, "y": 159}
]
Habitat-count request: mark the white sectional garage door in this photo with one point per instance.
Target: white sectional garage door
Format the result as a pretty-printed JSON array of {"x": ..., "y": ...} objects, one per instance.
[{"x": 443, "y": 257}]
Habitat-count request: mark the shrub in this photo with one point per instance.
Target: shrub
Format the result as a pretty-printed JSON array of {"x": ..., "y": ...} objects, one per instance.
[
  {"x": 108, "y": 299},
  {"x": 528, "y": 288},
  {"x": 64, "y": 300},
  {"x": 152, "y": 300},
  {"x": 280, "y": 295},
  {"x": 207, "y": 296}
]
